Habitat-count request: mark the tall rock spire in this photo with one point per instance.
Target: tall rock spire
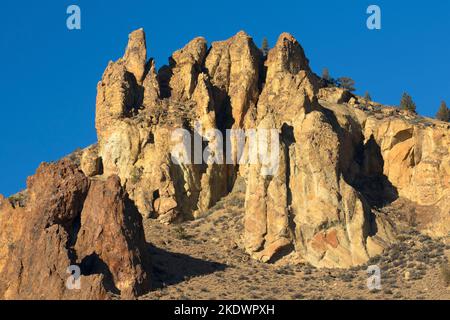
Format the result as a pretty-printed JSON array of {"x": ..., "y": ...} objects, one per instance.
[{"x": 136, "y": 54}]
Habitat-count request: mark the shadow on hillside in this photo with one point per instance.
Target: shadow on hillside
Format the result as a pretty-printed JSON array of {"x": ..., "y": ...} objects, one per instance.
[{"x": 169, "y": 268}]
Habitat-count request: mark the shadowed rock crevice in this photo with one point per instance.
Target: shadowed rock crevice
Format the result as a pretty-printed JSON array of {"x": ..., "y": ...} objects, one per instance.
[
  {"x": 288, "y": 139},
  {"x": 361, "y": 162},
  {"x": 164, "y": 76},
  {"x": 136, "y": 97},
  {"x": 94, "y": 265},
  {"x": 372, "y": 182},
  {"x": 284, "y": 251},
  {"x": 73, "y": 235}
]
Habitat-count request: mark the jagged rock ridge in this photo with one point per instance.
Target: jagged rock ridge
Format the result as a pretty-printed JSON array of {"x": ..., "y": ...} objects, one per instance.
[
  {"x": 340, "y": 157},
  {"x": 320, "y": 202}
]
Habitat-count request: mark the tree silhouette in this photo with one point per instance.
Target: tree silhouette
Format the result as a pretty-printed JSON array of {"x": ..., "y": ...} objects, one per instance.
[
  {"x": 265, "y": 47},
  {"x": 346, "y": 83},
  {"x": 326, "y": 74},
  {"x": 443, "y": 113},
  {"x": 407, "y": 103}
]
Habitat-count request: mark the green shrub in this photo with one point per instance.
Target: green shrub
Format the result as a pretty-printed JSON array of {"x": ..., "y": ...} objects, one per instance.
[
  {"x": 180, "y": 233},
  {"x": 407, "y": 103},
  {"x": 18, "y": 199},
  {"x": 136, "y": 174},
  {"x": 443, "y": 113}
]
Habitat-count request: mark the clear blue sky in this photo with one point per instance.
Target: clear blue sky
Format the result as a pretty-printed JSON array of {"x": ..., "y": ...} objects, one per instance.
[{"x": 49, "y": 74}]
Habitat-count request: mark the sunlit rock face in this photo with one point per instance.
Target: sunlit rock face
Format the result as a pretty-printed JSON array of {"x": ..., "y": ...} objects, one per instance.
[
  {"x": 339, "y": 159},
  {"x": 331, "y": 151},
  {"x": 71, "y": 221}
]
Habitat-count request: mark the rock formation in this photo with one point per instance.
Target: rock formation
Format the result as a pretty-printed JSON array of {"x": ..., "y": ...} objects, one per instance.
[
  {"x": 332, "y": 152},
  {"x": 71, "y": 221},
  {"x": 310, "y": 203},
  {"x": 340, "y": 157},
  {"x": 416, "y": 160}
]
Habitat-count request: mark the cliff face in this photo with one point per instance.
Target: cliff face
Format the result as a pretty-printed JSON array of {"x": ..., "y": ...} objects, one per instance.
[
  {"x": 336, "y": 160},
  {"x": 417, "y": 163},
  {"x": 339, "y": 158},
  {"x": 71, "y": 221}
]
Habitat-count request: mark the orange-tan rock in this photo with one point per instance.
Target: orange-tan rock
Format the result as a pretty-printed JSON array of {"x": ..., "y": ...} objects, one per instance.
[
  {"x": 328, "y": 161},
  {"x": 340, "y": 158},
  {"x": 70, "y": 221}
]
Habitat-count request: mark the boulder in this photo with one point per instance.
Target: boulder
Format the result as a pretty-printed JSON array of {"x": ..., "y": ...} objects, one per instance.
[
  {"x": 336, "y": 95},
  {"x": 91, "y": 163},
  {"x": 61, "y": 226}
]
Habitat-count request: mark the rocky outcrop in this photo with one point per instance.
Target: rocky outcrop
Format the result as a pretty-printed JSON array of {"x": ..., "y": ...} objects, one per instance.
[
  {"x": 69, "y": 221},
  {"x": 416, "y": 160},
  {"x": 319, "y": 203},
  {"x": 401, "y": 155},
  {"x": 136, "y": 142},
  {"x": 335, "y": 95},
  {"x": 111, "y": 238},
  {"x": 291, "y": 87},
  {"x": 185, "y": 66},
  {"x": 234, "y": 68},
  {"x": 90, "y": 162},
  {"x": 136, "y": 55},
  {"x": 339, "y": 159},
  {"x": 308, "y": 205}
]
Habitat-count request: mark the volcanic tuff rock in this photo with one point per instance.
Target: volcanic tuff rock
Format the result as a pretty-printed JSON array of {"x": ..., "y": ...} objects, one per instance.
[
  {"x": 90, "y": 162},
  {"x": 69, "y": 220},
  {"x": 336, "y": 160},
  {"x": 416, "y": 160},
  {"x": 341, "y": 157},
  {"x": 332, "y": 154}
]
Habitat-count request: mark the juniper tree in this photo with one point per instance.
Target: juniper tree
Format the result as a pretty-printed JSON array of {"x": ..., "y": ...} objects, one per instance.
[
  {"x": 265, "y": 46},
  {"x": 443, "y": 113},
  {"x": 325, "y": 79},
  {"x": 325, "y": 74},
  {"x": 367, "y": 96},
  {"x": 346, "y": 83},
  {"x": 407, "y": 103}
]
